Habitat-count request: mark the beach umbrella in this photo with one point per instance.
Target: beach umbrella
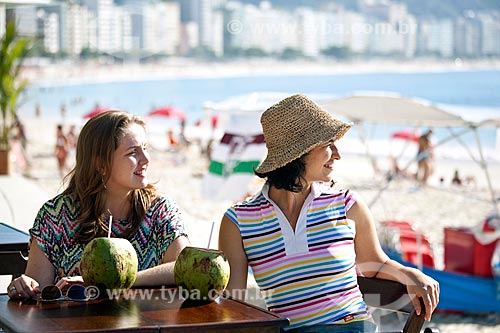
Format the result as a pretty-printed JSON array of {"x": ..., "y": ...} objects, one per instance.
[
  {"x": 408, "y": 135},
  {"x": 168, "y": 112},
  {"x": 95, "y": 112}
]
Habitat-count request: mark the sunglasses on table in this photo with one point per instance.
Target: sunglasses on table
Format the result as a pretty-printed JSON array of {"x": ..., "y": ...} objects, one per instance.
[{"x": 75, "y": 292}]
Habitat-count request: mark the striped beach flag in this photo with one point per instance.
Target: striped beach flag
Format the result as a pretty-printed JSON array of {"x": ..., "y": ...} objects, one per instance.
[{"x": 231, "y": 170}]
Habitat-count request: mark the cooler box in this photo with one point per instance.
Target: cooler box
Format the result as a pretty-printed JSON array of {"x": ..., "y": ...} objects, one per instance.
[
  {"x": 464, "y": 254},
  {"x": 409, "y": 243}
]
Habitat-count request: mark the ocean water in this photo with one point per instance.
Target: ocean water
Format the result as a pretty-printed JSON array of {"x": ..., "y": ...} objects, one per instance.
[{"x": 478, "y": 91}]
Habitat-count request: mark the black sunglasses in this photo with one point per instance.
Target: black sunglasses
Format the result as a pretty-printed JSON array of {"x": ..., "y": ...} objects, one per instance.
[{"x": 75, "y": 292}]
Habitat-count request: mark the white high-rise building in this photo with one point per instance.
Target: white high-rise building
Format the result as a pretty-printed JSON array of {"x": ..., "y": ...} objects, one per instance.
[
  {"x": 308, "y": 34},
  {"x": 210, "y": 24},
  {"x": 120, "y": 31},
  {"x": 162, "y": 28},
  {"x": 264, "y": 28},
  {"x": 135, "y": 8},
  {"x": 189, "y": 37},
  {"x": 357, "y": 32},
  {"x": 103, "y": 10},
  {"x": 330, "y": 30},
  {"x": 490, "y": 35},
  {"x": 77, "y": 23},
  {"x": 218, "y": 33},
  {"x": 467, "y": 35},
  {"x": 410, "y": 30},
  {"x": 26, "y": 18},
  {"x": 437, "y": 36},
  {"x": 51, "y": 33}
]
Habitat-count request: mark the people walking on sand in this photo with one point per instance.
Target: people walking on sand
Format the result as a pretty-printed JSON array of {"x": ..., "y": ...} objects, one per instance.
[
  {"x": 173, "y": 142},
  {"x": 183, "y": 140},
  {"x": 425, "y": 158},
  {"x": 109, "y": 182},
  {"x": 61, "y": 150},
  {"x": 305, "y": 241},
  {"x": 19, "y": 133},
  {"x": 38, "y": 110},
  {"x": 63, "y": 111},
  {"x": 72, "y": 139}
]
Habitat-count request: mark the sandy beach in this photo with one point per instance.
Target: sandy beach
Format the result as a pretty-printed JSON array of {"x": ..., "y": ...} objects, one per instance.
[
  {"x": 430, "y": 209},
  {"x": 70, "y": 72}
]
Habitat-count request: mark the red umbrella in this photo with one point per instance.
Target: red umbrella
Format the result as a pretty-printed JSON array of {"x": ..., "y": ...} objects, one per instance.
[
  {"x": 95, "y": 112},
  {"x": 409, "y": 135},
  {"x": 169, "y": 112}
]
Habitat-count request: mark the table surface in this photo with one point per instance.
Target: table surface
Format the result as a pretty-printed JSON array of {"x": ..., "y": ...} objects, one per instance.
[
  {"x": 156, "y": 311},
  {"x": 12, "y": 239}
]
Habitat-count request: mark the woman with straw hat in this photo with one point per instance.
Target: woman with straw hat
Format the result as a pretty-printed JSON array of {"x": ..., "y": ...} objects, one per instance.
[{"x": 304, "y": 241}]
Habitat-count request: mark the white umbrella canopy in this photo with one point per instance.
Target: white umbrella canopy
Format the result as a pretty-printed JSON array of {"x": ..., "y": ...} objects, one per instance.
[{"x": 392, "y": 109}]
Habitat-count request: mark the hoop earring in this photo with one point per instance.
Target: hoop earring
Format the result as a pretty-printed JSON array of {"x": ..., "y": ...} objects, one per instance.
[{"x": 103, "y": 183}]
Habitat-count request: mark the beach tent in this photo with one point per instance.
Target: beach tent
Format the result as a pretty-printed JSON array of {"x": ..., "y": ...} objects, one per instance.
[
  {"x": 393, "y": 109},
  {"x": 240, "y": 150}
]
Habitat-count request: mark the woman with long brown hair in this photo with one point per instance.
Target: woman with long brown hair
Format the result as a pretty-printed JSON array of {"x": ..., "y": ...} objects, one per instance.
[{"x": 109, "y": 180}]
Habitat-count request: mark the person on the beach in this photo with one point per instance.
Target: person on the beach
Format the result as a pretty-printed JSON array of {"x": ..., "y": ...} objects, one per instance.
[
  {"x": 306, "y": 242},
  {"x": 173, "y": 142},
  {"x": 425, "y": 158},
  {"x": 61, "y": 150},
  {"x": 72, "y": 140},
  {"x": 109, "y": 180}
]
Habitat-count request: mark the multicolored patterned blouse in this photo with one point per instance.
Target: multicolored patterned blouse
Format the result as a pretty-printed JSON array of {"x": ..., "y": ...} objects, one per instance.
[
  {"x": 55, "y": 230},
  {"x": 307, "y": 275}
]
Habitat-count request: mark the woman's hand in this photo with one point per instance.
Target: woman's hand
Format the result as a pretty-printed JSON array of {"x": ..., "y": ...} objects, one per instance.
[
  {"x": 66, "y": 282},
  {"x": 425, "y": 287},
  {"x": 23, "y": 287}
]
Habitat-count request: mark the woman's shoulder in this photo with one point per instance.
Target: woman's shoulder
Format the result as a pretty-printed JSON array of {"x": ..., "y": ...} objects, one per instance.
[
  {"x": 162, "y": 200},
  {"x": 59, "y": 203},
  {"x": 162, "y": 204},
  {"x": 333, "y": 192},
  {"x": 333, "y": 195},
  {"x": 61, "y": 209},
  {"x": 252, "y": 200}
]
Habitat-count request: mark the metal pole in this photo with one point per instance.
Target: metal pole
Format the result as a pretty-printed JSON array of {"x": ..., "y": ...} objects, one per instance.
[{"x": 484, "y": 166}]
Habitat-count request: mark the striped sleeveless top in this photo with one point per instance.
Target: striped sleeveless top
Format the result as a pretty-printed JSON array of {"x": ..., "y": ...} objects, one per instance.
[{"x": 308, "y": 276}]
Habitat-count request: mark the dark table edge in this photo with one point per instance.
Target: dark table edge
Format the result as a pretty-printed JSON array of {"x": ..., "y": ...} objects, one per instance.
[{"x": 280, "y": 321}]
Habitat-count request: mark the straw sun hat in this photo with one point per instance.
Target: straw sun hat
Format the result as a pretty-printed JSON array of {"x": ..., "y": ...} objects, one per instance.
[{"x": 293, "y": 127}]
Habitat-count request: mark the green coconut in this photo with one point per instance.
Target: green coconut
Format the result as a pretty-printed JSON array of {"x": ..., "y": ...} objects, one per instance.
[
  {"x": 202, "y": 272},
  {"x": 109, "y": 263}
]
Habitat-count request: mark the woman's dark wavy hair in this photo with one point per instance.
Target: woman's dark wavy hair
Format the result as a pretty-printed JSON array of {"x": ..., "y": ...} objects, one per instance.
[
  {"x": 287, "y": 177},
  {"x": 97, "y": 143}
]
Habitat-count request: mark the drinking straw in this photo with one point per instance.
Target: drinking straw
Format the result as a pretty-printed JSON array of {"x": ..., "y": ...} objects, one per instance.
[
  {"x": 109, "y": 225},
  {"x": 210, "y": 237}
]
